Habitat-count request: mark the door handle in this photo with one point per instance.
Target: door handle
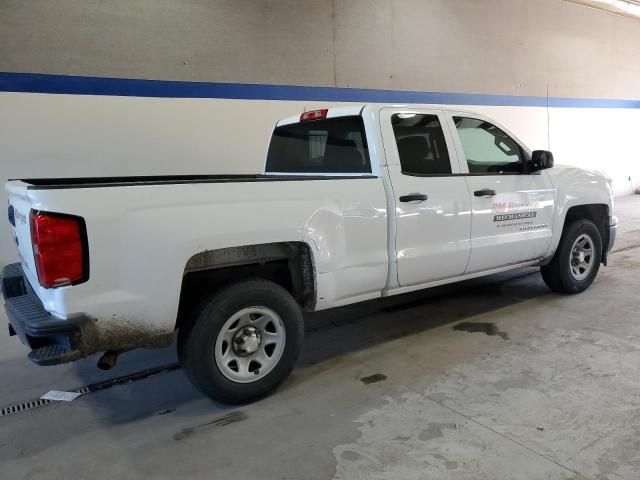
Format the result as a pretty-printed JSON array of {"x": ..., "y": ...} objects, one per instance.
[
  {"x": 413, "y": 197},
  {"x": 485, "y": 192}
]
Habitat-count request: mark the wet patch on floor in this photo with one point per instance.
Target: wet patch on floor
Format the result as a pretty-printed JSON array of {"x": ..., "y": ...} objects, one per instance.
[
  {"x": 375, "y": 378},
  {"x": 434, "y": 430},
  {"x": 481, "y": 327},
  {"x": 451, "y": 465},
  {"x": 224, "y": 420},
  {"x": 412, "y": 437},
  {"x": 349, "y": 455}
]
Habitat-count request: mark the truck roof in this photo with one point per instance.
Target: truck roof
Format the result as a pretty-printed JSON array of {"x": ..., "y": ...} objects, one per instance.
[{"x": 356, "y": 109}]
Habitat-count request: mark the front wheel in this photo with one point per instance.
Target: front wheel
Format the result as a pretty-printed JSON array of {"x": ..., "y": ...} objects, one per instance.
[
  {"x": 243, "y": 342},
  {"x": 577, "y": 260}
]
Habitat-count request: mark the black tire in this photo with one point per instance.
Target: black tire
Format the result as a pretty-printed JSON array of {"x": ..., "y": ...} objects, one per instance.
[
  {"x": 558, "y": 273},
  {"x": 197, "y": 343}
]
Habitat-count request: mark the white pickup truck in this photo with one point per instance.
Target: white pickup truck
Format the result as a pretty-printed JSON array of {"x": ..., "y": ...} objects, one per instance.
[{"x": 355, "y": 203}]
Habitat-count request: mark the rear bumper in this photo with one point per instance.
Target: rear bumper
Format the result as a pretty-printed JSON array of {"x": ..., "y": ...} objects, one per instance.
[
  {"x": 29, "y": 320},
  {"x": 54, "y": 340}
]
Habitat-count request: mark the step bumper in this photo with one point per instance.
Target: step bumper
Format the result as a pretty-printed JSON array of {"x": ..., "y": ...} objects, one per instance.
[{"x": 36, "y": 327}]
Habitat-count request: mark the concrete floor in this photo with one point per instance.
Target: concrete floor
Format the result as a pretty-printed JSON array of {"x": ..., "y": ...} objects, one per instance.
[{"x": 385, "y": 390}]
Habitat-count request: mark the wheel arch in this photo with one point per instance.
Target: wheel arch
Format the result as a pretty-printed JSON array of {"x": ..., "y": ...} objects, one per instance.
[
  {"x": 598, "y": 213},
  {"x": 289, "y": 264}
]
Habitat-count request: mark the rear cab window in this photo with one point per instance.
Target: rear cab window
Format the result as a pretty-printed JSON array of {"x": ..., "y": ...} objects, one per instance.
[{"x": 325, "y": 146}]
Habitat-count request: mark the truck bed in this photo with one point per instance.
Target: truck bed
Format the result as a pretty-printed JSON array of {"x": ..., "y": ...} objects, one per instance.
[{"x": 143, "y": 231}]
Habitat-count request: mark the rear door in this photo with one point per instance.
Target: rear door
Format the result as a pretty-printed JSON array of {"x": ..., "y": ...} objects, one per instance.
[
  {"x": 512, "y": 209},
  {"x": 433, "y": 211}
]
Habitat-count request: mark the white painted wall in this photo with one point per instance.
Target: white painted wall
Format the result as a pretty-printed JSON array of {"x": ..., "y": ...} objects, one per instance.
[{"x": 71, "y": 135}]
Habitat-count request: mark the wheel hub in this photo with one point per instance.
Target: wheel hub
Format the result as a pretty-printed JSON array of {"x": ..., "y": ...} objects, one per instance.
[
  {"x": 582, "y": 257},
  {"x": 250, "y": 344},
  {"x": 246, "y": 341}
]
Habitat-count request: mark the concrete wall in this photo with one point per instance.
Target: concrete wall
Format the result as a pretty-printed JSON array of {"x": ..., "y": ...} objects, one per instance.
[
  {"x": 510, "y": 47},
  {"x": 504, "y": 47}
]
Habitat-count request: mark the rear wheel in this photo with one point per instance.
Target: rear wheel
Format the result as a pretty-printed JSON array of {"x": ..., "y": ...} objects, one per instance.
[
  {"x": 577, "y": 260},
  {"x": 243, "y": 341}
]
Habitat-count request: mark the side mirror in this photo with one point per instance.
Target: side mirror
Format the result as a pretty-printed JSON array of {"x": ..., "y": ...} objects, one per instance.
[{"x": 540, "y": 160}]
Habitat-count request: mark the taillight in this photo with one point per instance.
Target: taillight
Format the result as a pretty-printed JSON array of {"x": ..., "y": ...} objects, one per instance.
[
  {"x": 314, "y": 115},
  {"x": 59, "y": 248}
]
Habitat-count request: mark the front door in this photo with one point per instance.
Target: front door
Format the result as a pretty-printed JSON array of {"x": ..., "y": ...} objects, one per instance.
[
  {"x": 512, "y": 210},
  {"x": 433, "y": 210}
]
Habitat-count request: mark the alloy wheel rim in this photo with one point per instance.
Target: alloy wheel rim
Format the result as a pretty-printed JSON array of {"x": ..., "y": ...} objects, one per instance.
[{"x": 250, "y": 344}]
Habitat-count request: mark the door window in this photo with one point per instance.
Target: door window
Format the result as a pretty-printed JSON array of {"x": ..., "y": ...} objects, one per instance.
[
  {"x": 488, "y": 149},
  {"x": 421, "y": 144}
]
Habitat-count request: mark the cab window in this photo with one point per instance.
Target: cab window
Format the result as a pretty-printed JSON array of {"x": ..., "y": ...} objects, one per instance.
[
  {"x": 422, "y": 147},
  {"x": 333, "y": 145},
  {"x": 487, "y": 149}
]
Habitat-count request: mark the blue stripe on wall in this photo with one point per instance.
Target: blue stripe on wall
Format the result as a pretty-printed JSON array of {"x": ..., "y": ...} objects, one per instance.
[{"x": 74, "y": 85}]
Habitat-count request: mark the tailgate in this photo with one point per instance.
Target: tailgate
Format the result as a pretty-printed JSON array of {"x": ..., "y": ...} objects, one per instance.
[{"x": 19, "y": 208}]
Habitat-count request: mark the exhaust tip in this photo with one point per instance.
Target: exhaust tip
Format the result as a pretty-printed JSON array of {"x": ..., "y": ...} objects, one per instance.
[{"x": 108, "y": 360}]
